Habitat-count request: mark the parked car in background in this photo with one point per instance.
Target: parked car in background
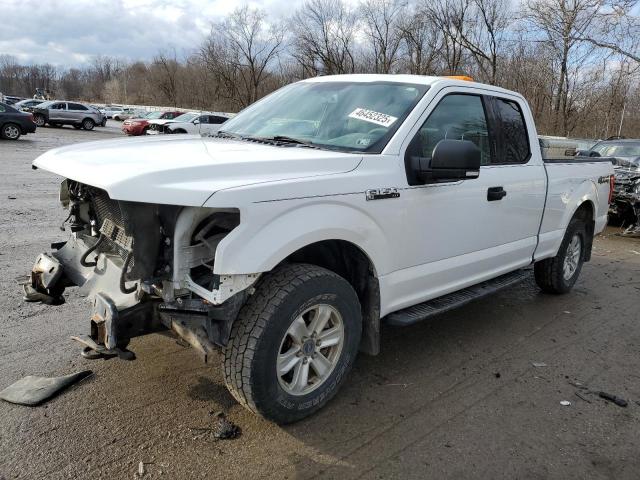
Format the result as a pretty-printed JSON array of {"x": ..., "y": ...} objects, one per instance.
[
  {"x": 205, "y": 124},
  {"x": 158, "y": 126},
  {"x": 27, "y": 103},
  {"x": 139, "y": 126},
  {"x": 14, "y": 123},
  {"x": 10, "y": 100},
  {"x": 625, "y": 204},
  {"x": 111, "y": 110},
  {"x": 57, "y": 113},
  {"x": 128, "y": 113}
]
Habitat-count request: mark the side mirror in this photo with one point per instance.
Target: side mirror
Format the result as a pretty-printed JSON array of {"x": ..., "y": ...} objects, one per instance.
[
  {"x": 196, "y": 121},
  {"x": 451, "y": 160}
]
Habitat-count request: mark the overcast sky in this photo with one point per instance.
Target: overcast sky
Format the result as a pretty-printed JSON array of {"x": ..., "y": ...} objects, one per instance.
[{"x": 70, "y": 32}]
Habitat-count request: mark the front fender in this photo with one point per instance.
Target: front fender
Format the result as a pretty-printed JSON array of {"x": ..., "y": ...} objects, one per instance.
[{"x": 270, "y": 232}]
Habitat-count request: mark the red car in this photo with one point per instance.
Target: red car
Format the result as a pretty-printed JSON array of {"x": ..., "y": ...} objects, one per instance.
[{"x": 138, "y": 126}]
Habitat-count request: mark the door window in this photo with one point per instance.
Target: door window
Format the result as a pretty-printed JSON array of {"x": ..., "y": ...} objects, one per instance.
[
  {"x": 59, "y": 106},
  {"x": 456, "y": 117},
  {"x": 77, "y": 106},
  {"x": 513, "y": 144}
]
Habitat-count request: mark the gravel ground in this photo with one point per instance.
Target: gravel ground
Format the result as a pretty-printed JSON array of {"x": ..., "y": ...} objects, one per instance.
[{"x": 456, "y": 397}]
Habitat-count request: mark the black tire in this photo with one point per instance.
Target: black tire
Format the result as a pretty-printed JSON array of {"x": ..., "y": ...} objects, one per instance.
[
  {"x": 39, "y": 120},
  {"x": 10, "y": 131},
  {"x": 257, "y": 336},
  {"x": 549, "y": 273},
  {"x": 88, "y": 124}
]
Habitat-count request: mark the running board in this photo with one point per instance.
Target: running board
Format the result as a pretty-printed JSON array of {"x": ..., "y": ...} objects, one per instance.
[{"x": 422, "y": 311}]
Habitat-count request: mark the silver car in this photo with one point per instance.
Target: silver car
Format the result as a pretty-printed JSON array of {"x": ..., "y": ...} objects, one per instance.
[{"x": 57, "y": 113}]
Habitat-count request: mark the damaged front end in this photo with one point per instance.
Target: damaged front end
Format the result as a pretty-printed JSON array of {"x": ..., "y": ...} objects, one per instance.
[
  {"x": 625, "y": 202},
  {"x": 144, "y": 267}
]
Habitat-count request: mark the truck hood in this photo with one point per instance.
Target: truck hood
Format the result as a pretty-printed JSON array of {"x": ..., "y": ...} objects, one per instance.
[{"x": 186, "y": 169}]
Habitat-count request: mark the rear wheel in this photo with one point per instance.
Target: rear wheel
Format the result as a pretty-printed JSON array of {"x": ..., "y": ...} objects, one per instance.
[
  {"x": 559, "y": 274},
  {"x": 88, "y": 124},
  {"x": 10, "y": 131},
  {"x": 293, "y": 342},
  {"x": 39, "y": 119}
]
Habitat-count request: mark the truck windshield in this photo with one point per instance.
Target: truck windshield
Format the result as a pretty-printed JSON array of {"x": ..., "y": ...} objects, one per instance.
[{"x": 346, "y": 116}]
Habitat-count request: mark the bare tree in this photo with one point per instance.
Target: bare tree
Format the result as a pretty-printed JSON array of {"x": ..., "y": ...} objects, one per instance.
[
  {"x": 421, "y": 43},
  {"x": 562, "y": 23},
  {"x": 165, "y": 68},
  {"x": 241, "y": 49},
  {"x": 383, "y": 32},
  {"x": 324, "y": 37}
]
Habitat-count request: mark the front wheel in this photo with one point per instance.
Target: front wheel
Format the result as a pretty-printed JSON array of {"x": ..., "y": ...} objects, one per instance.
[
  {"x": 39, "y": 119},
  {"x": 559, "y": 274},
  {"x": 88, "y": 124},
  {"x": 10, "y": 131},
  {"x": 293, "y": 342}
]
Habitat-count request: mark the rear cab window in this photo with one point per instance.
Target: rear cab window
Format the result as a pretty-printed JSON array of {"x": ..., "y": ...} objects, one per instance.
[{"x": 512, "y": 138}]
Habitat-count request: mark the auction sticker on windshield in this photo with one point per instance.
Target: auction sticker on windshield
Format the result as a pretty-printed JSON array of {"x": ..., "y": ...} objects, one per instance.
[{"x": 373, "y": 117}]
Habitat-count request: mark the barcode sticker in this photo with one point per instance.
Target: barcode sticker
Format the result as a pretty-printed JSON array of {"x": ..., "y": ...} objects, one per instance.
[{"x": 373, "y": 117}]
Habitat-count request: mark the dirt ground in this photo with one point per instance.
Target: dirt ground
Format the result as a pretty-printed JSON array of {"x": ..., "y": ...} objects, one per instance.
[{"x": 456, "y": 397}]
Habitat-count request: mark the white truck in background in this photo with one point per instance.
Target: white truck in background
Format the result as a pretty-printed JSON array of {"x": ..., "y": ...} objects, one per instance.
[{"x": 319, "y": 212}]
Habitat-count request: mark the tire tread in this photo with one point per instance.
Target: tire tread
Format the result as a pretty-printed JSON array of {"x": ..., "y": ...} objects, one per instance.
[{"x": 254, "y": 317}]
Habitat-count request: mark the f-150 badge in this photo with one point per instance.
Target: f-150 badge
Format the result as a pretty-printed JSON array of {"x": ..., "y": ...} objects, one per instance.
[{"x": 382, "y": 193}]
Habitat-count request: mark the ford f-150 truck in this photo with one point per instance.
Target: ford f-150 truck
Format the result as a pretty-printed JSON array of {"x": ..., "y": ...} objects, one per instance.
[{"x": 316, "y": 214}]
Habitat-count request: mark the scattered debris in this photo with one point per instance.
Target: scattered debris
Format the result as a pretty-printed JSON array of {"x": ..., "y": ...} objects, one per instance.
[
  {"x": 141, "y": 469},
  {"x": 404, "y": 385},
  {"x": 566, "y": 311},
  {"x": 497, "y": 375},
  {"x": 32, "y": 390},
  {"x": 621, "y": 402},
  {"x": 582, "y": 397},
  {"x": 565, "y": 403},
  {"x": 11, "y": 197},
  {"x": 222, "y": 428},
  {"x": 539, "y": 364},
  {"x": 634, "y": 251}
]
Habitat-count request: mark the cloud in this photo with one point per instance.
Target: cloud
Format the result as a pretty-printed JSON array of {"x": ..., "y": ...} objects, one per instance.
[{"x": 68, "y": 33}]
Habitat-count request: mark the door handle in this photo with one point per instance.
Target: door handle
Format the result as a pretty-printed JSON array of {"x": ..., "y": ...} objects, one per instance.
[{"x": 496, "y": 193}]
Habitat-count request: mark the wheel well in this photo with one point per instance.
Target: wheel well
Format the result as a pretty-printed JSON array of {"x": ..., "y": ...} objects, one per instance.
[
  {"x": 586, "y": 213},
  {"x": 352, "y": 264},
  {"x": 179, "y": 130}
]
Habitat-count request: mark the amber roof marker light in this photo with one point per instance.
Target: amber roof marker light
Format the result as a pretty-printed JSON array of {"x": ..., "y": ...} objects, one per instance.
[{"x": 465, "y": 78}]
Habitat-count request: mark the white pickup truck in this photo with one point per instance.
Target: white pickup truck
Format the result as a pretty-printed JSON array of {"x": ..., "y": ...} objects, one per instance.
[{"x": 317, "y": 213}]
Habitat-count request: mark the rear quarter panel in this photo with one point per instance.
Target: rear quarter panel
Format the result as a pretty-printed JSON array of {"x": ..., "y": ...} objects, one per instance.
[{"x": 569, "y": 185}]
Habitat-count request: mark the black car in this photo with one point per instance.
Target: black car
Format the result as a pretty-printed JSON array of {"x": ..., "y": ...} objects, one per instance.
[{"x": 14, "y": 123}]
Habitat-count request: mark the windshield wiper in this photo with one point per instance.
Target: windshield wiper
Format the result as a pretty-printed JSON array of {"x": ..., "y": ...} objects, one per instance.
[
  {"x": 284, "y": 139},
  {"x": 223, "y": 134}
]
